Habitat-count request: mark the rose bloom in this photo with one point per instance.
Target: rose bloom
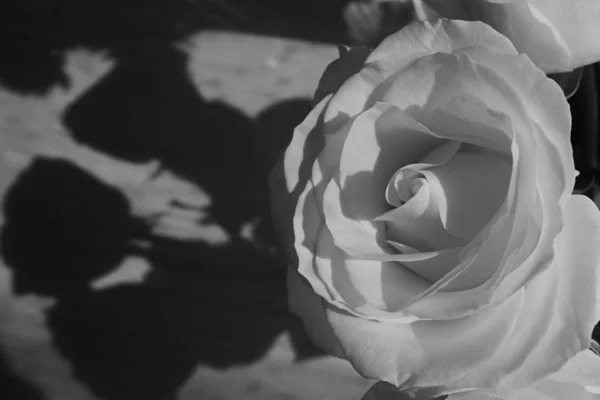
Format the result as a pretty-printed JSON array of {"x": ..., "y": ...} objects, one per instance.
[
  {"x": 426, "y": 207},
  {"x": 558, "y": 35}
]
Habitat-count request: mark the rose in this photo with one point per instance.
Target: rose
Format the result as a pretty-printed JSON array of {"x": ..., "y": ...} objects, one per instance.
[
  {"x": 571, "y": 382},
  {"x": 558, "y": 35},
  {"x": 426, "y": 207}
]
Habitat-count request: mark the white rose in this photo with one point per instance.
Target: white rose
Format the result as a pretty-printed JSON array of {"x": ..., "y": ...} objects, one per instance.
[
  {"x": 558, "y": 35},
  {"x": 426, "y": 203}
]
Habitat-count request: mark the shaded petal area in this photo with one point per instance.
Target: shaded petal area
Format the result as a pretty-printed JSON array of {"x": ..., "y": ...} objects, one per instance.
[
  {"x": 304, "y": 148},
  {"x": 350, "y": 62},
  {"x": 369, "y": 288},
  {"x": 469, "y": 189},
  {"x": 417, "y": 223},
  {"x": 304, "y": 302}
]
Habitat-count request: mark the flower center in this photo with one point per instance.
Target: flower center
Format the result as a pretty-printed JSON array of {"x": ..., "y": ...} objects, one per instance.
[{"x": 444, "y": 201}]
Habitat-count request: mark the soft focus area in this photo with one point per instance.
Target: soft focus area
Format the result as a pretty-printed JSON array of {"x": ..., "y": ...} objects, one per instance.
[{"x": 137, "y": 257}]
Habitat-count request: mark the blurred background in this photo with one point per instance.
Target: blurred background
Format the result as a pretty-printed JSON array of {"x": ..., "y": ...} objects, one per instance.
[{"x": 138, "y": 260}]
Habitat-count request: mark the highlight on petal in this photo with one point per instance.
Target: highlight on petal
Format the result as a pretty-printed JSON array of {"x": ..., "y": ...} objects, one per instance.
[
  {"x": 557, "y": 319},
  {"x": 557, "y": 35},
  {"x": 583, "y": 370},
  {"x": 579, "y": 379},
  {"x": 403, "y": 48},
  {"x": 369, "y": 288},
  {"x": 530, "y": 31},
  {"x": 441, "y": 36},
  {"x": 578, "y": 26}
]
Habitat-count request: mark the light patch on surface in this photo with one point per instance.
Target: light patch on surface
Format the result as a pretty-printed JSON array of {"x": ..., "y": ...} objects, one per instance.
[
  {"x": 175, "y": 208},
  {"x": 84, "y": 68},
  {"x": 27, "y": 347},
  {"x": 248, "y": 233},
  {"x": 276, "y": 376},
  {"x": 251, "y": 73},
  {"x": 16, "y": 159},
  {"x": 133, "y": 270}
]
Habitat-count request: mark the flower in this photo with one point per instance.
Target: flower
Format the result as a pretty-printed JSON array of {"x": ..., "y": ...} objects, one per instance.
[
  {"x": 558, "y": 35},
  {"x": 426, "y": 207},
  {"x": 578, "y": 379}
]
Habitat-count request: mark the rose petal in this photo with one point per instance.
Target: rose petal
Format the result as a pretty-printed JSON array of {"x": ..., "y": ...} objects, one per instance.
[
  {"x": 443, "y": 36},
  {"x": 350, "y": 62},
  {"x": 558, "y": 315},
  {"x": 385, "y": 391},
  {"x": 522, "y": 394},
  {"x": 434, "y": 267},
  {"x": 357, "y": 238},
  {"x": 381, "y": 140},
  {"x": 400, "y": 50},
  {"x": 530, "y": 30},
  {"x": 424, "y": 353},
  {"x": 578, "y": 25},
  {"x": 303, "y": 149},
  {"x": 449, "y": 79},
  {"x": 307, "y": 225},
  {"x": 369, "y": 288},
  {"x": 469, "y": 189},
  {"x": 303, "y": 302},
  {"x": 559, "y": 390},
  {"x": 547, "y": 107},
  {"x": 509, "y": 225},
  {"x": 583, "y": 369},
  {"x": 417, "y": 224},
  {"x": 575, "y": 384}
]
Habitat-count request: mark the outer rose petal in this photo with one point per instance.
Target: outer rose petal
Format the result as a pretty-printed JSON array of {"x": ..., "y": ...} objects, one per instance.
[
  {"x": 583, "y": 369},
  {"x": 403, "y": 48},
  {"x": 558, "y": 35},
  {"x": 350, "y": 62},
  {"x": 558, "y": 315},
  {"x": 303, "y": 302},
  {"x": 579, "y": 379},
  {"x": 578, "y": 23},
  {"x": 424, "y": 353}
]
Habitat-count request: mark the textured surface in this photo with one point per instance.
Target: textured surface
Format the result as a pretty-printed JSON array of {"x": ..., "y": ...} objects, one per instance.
[{"x": 137, "y": 259}]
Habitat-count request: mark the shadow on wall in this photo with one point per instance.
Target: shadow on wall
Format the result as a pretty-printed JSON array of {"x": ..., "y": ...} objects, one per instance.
[
  {"x": 35, "y": 35},
  {"x": 219, "y": 305},
  {"x": 216, "y": 305},
  {"x": 12, "y": 383}
]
